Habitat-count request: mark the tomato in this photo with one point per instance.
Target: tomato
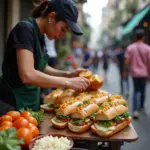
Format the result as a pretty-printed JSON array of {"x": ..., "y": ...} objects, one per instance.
[
  {"x": 21, "y": 123},
  {"x": 26, "y": 114},
  {"x": 64, "y": 120},
  {"x": 32, "y": 120},
  {"x": 31, "y": 125},
  {"x": 35, "y": 131},
  {"x": 114, "y": 123},
  {"x": 6, "y": 118},
  {"x": 14, "y": 114},
  {"x": 4, "y": 127},
  {"x": 7, "y": 123},
  {"x": 26, "y": 134}
]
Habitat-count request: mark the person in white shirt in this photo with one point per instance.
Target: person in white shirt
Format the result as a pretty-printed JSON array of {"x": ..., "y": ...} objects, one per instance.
[{"x": 51, "y": 51}]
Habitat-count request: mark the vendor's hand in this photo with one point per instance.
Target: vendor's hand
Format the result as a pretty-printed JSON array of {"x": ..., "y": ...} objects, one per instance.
[
  {"x": 78, "y": 84},
  {"x": 76, "y": 73}
]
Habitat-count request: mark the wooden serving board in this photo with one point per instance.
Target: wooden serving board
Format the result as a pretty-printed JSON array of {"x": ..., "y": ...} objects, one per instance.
[{"x": 128, "y": 134}]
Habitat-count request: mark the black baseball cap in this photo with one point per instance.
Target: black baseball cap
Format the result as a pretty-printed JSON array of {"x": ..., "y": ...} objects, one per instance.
[{"x": 68, "y": 10}]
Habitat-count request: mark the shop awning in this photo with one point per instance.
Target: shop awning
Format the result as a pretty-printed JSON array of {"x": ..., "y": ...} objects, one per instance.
[{"x": 135, "y": 20}]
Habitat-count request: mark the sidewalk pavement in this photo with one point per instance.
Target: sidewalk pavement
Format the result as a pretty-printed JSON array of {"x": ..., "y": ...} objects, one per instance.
[{"x": 142, "y": 125}]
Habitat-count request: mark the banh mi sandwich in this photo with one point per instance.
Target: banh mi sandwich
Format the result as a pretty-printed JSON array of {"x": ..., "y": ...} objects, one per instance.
[
  {"x": 47, "y": 107},
  {"x": 66, "y": 95},
  {"x": 111, "y": 121},
  {"x": 96, "y": 82},
  {"x": 68, "y": 107},
  {"x": 86, "y": 74},
  {"x": 96, "y": 92},
  {"x": 50, "y": 98},
  {"x": 82, "y": 119},
  {"x": 117, "y": 98},
  {"x": 100, "y": 97}
]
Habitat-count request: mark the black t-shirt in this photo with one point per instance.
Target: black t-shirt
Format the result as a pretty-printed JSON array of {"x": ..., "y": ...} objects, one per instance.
[{"x": 22, "y": 36}]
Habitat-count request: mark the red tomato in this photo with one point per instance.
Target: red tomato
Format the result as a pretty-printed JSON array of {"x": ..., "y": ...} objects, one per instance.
[
  {"x": 14, "y": 114},
  {"x": 21, "y": 123},
  {"x": 26, "y": 134},
  {"x": 4, "y": 127},
  {"x": 26, "y": 114},
  {"x": 7, "y": 123},
  {"x": 6, "y": 118},
  {"x": 32, "y": 120},
  {"x": 35, "y": 131}
]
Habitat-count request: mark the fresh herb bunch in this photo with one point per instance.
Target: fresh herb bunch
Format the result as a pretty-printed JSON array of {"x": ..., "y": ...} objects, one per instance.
[
  {"x": 9, "y": 141},
  {"x": 37, "y": 115}
]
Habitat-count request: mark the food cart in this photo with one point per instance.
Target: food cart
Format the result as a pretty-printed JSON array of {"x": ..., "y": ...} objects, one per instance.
[{"x": 89, "y": 140}]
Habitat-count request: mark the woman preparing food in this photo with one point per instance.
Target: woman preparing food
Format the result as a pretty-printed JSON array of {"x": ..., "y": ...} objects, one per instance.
[{"x": 25, "y": 67}]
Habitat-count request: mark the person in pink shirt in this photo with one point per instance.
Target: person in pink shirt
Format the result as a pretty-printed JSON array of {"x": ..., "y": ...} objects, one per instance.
[{"x": 138, "y": 57}]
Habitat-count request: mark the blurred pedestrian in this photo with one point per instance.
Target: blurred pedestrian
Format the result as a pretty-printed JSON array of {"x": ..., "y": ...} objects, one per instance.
[
  {"x": 123, "y": 81},
  {"x": 95, "y": 61},
  {"x": 138, "y": 56},
  {"x": 51, "y": 51},
  {"x": 105, "y": 59},
  {"x": 87, "y": 58}
]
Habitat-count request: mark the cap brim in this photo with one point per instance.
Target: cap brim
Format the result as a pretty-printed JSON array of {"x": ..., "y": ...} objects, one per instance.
[{"x": 74, "y": 27}]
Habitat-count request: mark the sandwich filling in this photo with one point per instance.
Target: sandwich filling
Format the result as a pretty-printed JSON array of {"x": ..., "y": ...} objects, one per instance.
[{"x": 109, "y": 125}]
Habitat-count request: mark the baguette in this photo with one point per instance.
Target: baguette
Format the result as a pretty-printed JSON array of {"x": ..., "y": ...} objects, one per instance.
[
  {"x": 79, "y": 129},
  {"x": 111, "y": 113},
  {"x": 50, "y": 98},
  {"x": 111, "y": 132},
  {"x": 100, "y": 100},
  {"x": 70, "y": 106},
  {"x": 60, "y": 125},
  {"x": 86, "y": 74},
  {"x": 85, "y": 112},
  {"x": 46, "y": 108},
  {"x": 96, "y": 82}
]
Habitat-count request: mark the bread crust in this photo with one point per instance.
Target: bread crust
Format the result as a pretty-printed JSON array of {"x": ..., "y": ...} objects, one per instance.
[
  {"x": 110, "y": 133},
  {"x": 86, "y": 112},
  {"x": 95, "y": 84},
  {"x": 50, "y": 98},
  {"x": 86, "y": 74},
  {"x": 79, "y": 129},
  {"x": 59, "y": 125},
  {"x": 60, "y": 100},
  {"x": 111, "y": 113},
  {"x": 47, "y": 109},
  {"x": 69, "y": 109},
  {"x": 100, "y": 100}
]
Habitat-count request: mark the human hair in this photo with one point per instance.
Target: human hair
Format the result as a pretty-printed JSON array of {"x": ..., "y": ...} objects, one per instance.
[
  {"x": 44, "y": 8},
  {"x": 139, "y": 34}
]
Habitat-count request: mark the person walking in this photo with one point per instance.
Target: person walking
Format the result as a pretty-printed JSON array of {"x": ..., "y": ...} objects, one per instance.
[
  {"x": 123, "y": 81},
  {"x": 25, "y": 67},
  {"x": 138, "y": 57}
]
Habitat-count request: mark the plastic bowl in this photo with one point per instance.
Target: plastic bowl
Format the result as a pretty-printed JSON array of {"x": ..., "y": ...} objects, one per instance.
[{"x": 31, "y": 145}]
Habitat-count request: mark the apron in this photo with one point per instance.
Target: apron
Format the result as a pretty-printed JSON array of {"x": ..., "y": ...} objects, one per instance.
[{"x": 28, "y": 96}]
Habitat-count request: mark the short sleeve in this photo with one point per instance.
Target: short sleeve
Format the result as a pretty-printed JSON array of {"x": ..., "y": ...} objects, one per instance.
[{"x": 23, "y": 36}]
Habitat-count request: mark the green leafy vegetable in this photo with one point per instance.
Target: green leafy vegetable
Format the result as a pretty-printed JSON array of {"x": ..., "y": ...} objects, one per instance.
[
  {"x": 62, "y": 117},
  {"x": 9, "y": 141},
  {"x": 117, "y": 119},
  {"x": 37, "y": 115},
  {"x": 86, "y": 102},
  {"x": 80, "y": 121},
  {"x": 105, "y": 123},
  {"x": 126, "y": 115}
]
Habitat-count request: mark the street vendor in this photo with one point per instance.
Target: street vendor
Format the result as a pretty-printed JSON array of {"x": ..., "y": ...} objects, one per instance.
[{"x": 25, "y": 67}]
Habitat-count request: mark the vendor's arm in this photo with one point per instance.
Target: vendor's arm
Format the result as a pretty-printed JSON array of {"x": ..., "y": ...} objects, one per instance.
[
  {"x": 30, "y": 76},
  {"x": 55, "y": 72}
]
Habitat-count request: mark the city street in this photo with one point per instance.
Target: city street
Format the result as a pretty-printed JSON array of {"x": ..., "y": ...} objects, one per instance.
[{"x": 142, "y": 125}]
